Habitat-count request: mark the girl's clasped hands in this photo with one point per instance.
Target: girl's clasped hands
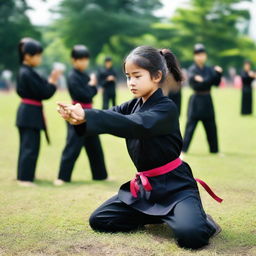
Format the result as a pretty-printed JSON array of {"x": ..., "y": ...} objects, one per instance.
[{"x": 74, "y": 114}]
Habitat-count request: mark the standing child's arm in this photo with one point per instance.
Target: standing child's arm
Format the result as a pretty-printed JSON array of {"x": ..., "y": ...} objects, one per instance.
[
  {"x": 81, "y": 91},
  {"x": 39, "y": 87},
  {"x": 217, "y": 74}
]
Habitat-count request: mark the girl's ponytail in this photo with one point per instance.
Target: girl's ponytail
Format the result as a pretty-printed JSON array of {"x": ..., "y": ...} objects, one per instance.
[
  {"x": 172, "y": 64},
  {"x": 21, "y": 50}
]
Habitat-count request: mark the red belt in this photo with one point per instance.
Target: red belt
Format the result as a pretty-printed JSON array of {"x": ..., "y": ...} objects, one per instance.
[
  {"x": 39, "y": 104},
  {"x": 32, "y": 102},
  {"x": 143, "y": 176},
  {"x": 84, "y": 105}
]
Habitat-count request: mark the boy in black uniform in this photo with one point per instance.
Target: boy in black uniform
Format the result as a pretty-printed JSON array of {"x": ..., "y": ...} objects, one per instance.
[
  {"x": 163, "y": 189},
  {"x": 247, "y": 76},
  {"x": 107, "y": 79},
  {"x": 82, "y": 89},
  {"x": 200, "y": 108},
  {"x": 32, "y": 88}
]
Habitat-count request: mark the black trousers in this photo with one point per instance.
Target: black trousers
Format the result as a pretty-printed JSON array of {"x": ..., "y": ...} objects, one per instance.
[
  {"x": 187, "y": 220},
  {"x": 73, "y": 147},
  {"x": 107, "y": 98},
  {"x": 210, "y": 129},
  {"x": 200, "y": 108},
  {"x": 246, "y": 106},
  {"x": 28, "y": 153}
]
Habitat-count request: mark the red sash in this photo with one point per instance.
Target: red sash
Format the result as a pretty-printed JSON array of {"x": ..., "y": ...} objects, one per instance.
[
  {"x": 84, "y": 105},
  {"x": 143, "y": 176},
  {"x": 39, "y": 104}
]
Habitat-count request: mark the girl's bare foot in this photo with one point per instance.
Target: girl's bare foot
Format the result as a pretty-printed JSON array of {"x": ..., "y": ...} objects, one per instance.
[
  {"x": 59, "y": 182},
  {"x": 23, "y": 183}
]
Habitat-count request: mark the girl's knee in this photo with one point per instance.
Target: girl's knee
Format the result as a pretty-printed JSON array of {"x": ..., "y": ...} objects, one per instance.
[
  {"x": 95, "y": 223},
  {"x": 192, "y": 238}
]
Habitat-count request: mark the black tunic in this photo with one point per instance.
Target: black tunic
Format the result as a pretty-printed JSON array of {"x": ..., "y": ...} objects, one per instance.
[
  {"x": 109, "y": 86},
  {"x": 246, "y": 107},
  {"x": 176, "y": 97},
  {"x": 153, "y": 139},
  {"x": 31, "y": 85},
  {"x": 200, "y": 104},
  {"x": 78, "y": 87}
]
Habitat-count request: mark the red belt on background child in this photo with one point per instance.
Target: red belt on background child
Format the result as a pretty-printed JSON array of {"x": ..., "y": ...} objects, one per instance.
[
  {"x": 143, "y": 176},
  {"x": 39, "y": 104},
  {"x": 84, "y": 105}
]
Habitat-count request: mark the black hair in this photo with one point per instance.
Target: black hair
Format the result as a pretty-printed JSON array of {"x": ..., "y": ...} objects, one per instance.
[
  {"x": 154, "y": 60},
  {"x": 29, "y": 46},
  {"x": 247, "y": 62},
  {"x": 198, "y": 48},
  {"x": 108, "y": 58},
  {"x": 80, "y": 51}
]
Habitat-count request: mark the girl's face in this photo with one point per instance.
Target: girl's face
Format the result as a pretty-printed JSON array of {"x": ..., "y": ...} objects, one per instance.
[
  {"x": 33, "y": 60},
  {"x": 139, "y": 81}
]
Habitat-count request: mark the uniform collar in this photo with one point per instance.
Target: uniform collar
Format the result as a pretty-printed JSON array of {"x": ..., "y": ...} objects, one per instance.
[
  {"x": 26, "y": 66},
  {"x": 200, "y": 68},
  {"x": 78, "y": 71},
  {"x": 153, "y": 99}
]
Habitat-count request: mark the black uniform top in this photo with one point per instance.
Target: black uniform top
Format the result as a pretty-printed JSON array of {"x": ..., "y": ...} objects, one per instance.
[
  {"x": 200, "y": 104},
  {"x": 31, "y": 85},
  {"x": 153, "y": 139},
  {"x": 78, "y": 87},
  {"x": 246, "y": 79},
  {"x": 109, "y": 86},
  {"x": 209, "y": 75}
]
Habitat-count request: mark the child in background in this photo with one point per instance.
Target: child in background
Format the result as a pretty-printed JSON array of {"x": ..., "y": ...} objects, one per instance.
[
  {"x": 82, "y": 89},
  {"x": 107, "y": 78},
  {"x": 33, "y": 89},
  {"x": 247, "y": 76}
]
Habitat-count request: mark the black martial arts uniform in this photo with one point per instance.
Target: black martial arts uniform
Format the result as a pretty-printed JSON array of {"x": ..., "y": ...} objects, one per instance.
[
  {"x": 81, "y": 92},
  {"x": 176, "y": 97},
  {"x": 200, "y": 107},
  {"x": 109, "y": 87},
  {"x": 246, "y": 108},
  {"x": 30, "y": 119},
  {"x": 153, "y": 139}
]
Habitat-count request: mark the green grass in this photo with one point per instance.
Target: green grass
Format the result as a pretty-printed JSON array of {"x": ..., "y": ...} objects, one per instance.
[{"x": 49, "y": 220}]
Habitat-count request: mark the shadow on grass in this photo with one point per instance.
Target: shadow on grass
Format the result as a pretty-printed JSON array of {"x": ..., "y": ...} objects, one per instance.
[
  {"x": 160, "y": 232},
  {"x": 105, "y": 183},
  {"x": 222, "y": 154}
]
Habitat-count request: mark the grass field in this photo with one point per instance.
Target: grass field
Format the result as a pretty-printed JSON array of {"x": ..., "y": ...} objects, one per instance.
[{"x": 49, "y": 220}]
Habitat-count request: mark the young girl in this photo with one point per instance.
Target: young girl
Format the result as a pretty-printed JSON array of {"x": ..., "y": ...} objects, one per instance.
[
  {"x": 32, "y": 89},
  {"x": 163, "y": 189},
  {"x": 82, "y": 89}
]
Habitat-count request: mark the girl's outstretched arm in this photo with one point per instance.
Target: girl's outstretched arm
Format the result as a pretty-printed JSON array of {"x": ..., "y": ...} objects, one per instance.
[{"x": 161, "y": 119}]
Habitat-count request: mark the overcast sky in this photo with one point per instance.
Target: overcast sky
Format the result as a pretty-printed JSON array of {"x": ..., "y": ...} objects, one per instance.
[{"x": 40, "y": 15}]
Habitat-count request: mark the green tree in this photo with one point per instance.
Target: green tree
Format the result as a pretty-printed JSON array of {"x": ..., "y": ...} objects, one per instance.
[
  {"x": 219, "y": 24},
  {"x": 55, "y": 49},
  {"x": 96, "y": 23},
  {"x": 14, "y": 25}
]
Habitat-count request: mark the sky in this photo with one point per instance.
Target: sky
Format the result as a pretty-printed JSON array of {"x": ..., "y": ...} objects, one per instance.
[{"x": 41, "y": 15}]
